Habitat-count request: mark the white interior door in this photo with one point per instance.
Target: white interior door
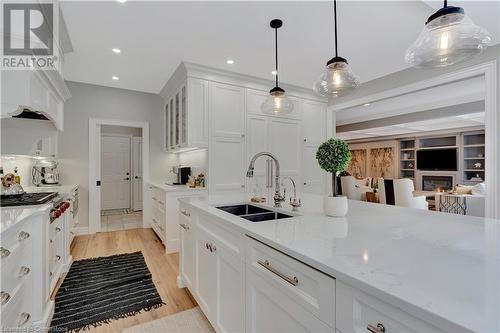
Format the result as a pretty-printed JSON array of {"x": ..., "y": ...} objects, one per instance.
[
  {"x": 115, "y": 172},
  {"x": 137, "y": 173}
]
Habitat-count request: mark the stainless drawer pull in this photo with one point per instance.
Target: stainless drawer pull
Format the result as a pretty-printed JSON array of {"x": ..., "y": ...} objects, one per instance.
[
  {"x": 379, "y": 329},
  {"x": 154, "y": 198},
  {"x": 184, "y": 226},
  {"x": 293, "y": 281},
  {"x": 161, "y": 202},
  {"x": 185, "y": 213},
  {"x": 23, "y": 318},
  {"x": 23, "y": 235},
  {"x": 4, "y": 253},
  {"x": 4, "y": 297},
  {"x": 24, "y": 271}
]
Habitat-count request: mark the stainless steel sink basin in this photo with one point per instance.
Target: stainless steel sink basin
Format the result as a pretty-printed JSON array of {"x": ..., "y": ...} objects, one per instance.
[
  {"x": 244, "y": 209},
  {"x": 253, "y": 213}
]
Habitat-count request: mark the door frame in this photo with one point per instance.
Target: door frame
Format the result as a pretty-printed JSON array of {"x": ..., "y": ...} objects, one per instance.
[
  {"x": 133, "y": 140},
  {"x": 490, "y": 72},
  {"x": 95, "y": 167}
]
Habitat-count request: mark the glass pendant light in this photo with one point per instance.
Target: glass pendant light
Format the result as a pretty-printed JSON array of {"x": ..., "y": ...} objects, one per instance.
[
  {"x": 449, "y": 36},
  {"x": 277, "y": 102},
  {"x": 338, "y": 78}
]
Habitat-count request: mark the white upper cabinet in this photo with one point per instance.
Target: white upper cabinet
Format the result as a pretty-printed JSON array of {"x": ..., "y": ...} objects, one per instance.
[
  {"x": 186, "y": 116},
  {"x": 227, "y": 151},
  {"x": 227, "y": 106},
  {"x": 313, "y": 121}
]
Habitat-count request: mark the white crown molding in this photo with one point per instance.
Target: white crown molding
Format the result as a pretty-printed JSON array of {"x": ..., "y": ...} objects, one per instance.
[{"x": 191, "y": 70}]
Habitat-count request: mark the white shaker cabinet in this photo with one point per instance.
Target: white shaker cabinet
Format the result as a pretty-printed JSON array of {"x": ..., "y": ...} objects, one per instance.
[
  {"x": 186, "y": 116},
  {"x": 314, "y": 133},
  {"x": 212, "y": 268},
  {"x": 280, "y": 137},
  {"x": 227, "y": 147},
  {"x": 187, "y": 253}
]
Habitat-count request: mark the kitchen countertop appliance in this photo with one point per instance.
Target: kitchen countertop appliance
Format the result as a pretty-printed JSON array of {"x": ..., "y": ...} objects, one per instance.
[
  {"x": 182, "y": 174},
  {"x": 27, "y": 199},
  {"x": 45, "y": 173}
]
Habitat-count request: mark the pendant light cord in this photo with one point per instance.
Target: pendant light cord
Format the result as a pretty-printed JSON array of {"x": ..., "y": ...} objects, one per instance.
[
  {"x": 276, "y": 52},
  {"x": 335, "y": 20}
]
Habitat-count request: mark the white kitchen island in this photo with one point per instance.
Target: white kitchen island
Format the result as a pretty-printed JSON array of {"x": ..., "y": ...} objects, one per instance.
[{"x": 405, "y": 269}]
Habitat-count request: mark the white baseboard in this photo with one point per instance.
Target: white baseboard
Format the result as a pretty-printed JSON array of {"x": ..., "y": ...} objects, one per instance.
[
  {"x": 81, "y": 230},
  {"x": 43, "y": 324}
]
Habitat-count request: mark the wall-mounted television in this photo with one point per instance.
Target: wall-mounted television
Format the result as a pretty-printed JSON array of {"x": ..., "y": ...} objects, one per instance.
[{"x": 437, "y": 159}]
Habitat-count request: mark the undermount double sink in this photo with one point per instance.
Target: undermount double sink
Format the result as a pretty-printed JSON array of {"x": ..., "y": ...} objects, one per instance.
[{"x": 253, "y": 213}]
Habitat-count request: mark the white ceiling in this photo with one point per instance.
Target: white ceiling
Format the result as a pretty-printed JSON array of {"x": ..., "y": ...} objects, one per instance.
[
  {"x": 446, "y": 123},
  {"x": 156, "y": 36}
]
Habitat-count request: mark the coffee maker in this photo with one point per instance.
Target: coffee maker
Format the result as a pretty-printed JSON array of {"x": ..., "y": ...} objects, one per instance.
[
  {"x": 182, "y": 174},
  {"x": 45, "y": 173}
]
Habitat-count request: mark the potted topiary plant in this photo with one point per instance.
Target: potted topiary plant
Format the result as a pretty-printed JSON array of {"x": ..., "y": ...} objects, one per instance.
[{"x": 334, "y": 156}]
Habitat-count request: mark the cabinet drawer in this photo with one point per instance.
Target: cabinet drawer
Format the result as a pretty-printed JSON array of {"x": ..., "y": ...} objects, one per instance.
[
  {"x": 356, "y": 310},
  {"x": 228, "y": 238},
  {"x": 18, "y": 310},
  {"x": 55, "y": 228},
  {"x": 16, "y": 235},
  {"x": 308, "y": 287},
  {"x": 17, "y": 266}
]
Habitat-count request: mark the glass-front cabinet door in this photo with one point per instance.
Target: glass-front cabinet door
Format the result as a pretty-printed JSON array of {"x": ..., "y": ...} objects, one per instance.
[
  {"x": 167, "y": 126},
  {"x": 172, "y": 127},
  {"x": 183, "y": 116},
  {"x": 177, "y": 119}
]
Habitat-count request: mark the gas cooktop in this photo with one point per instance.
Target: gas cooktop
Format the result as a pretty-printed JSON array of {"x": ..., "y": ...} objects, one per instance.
[{"x": 27, "y": 199}]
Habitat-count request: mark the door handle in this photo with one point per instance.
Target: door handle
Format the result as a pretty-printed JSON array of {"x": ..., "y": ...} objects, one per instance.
[
  {"x": 137, "y": 177},
  {"x": 128, "y": 178}
]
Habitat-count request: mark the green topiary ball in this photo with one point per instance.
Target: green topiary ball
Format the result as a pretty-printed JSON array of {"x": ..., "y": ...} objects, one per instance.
[{"x": 333, "y": 155}]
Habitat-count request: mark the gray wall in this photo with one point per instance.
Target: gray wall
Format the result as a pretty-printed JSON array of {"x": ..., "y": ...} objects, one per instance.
[{"x": 108, "y": 103}]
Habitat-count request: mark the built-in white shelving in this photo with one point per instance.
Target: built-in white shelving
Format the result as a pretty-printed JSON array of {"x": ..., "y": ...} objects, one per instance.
[{"x": 473, "y": 157}]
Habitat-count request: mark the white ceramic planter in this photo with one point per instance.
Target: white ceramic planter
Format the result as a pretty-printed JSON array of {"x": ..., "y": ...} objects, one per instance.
[{"x": 335, "y": 206}]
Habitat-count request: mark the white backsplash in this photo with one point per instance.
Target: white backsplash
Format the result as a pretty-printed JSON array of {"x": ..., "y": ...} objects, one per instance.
[
  {"x": 196, "y": 159},
  {"x": 23, "y": 165}
]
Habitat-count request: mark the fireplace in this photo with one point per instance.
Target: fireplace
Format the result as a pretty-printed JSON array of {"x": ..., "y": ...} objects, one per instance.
[{"x": 432, "y": 183}]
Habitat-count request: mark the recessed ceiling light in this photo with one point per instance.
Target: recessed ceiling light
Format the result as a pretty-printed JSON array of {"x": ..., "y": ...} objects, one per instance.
[
  {"x": 116, "y": 78},
  {"x": 121, "y": 1},
  {"x": 366, "y": 104},
  {"x": 115, "y": 50},
  {"x": 274, "y": 72},
  {"x": 229, "y": 62}
]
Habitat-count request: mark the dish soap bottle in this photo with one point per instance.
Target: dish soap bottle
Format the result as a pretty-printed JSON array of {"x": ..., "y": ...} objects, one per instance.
[{"x": 17, "y": 178}]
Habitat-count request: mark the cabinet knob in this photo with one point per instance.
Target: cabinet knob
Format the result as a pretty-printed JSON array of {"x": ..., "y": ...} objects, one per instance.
[
  {"x": 214, "y": 248},
  {"x": 4, "y": 297},
  {"x": 23, "y": 318},
  {"x": 58, "y": 257},
  {"x": 58, "y": 229},
  {"x": 23, "y": 235},
  {"x": 379, "y": 329},
  {"x": 24, "y": 271},
  {"x": 4, "y": 253}
]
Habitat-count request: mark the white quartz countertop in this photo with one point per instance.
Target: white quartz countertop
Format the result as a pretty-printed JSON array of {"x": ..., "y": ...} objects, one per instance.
[
  {"x": 439, "y": 267},
  {"x": 13, "y": 215},
  {"x": 61, "y": 189},
  {"x": 176, "y": 188},
  {"x": 10, "y": 216}
]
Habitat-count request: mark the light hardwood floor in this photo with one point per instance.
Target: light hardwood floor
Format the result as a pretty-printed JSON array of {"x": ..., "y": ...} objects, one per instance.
[{"x": 164, "y": 269}]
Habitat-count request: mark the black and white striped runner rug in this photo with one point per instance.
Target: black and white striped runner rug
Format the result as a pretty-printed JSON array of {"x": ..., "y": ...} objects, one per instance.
[{"x": 99, "y": 290}]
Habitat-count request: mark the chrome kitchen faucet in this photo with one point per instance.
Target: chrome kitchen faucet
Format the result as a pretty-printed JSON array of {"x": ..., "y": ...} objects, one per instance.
[{"x": 278, "y": 197}]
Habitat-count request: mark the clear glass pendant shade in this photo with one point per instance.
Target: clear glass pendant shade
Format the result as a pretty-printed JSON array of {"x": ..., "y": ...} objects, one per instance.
[
  {"x": 337, "y": 80},
  {"x": 277, "y": 103},
  {"x": 446, "y": 40}
]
